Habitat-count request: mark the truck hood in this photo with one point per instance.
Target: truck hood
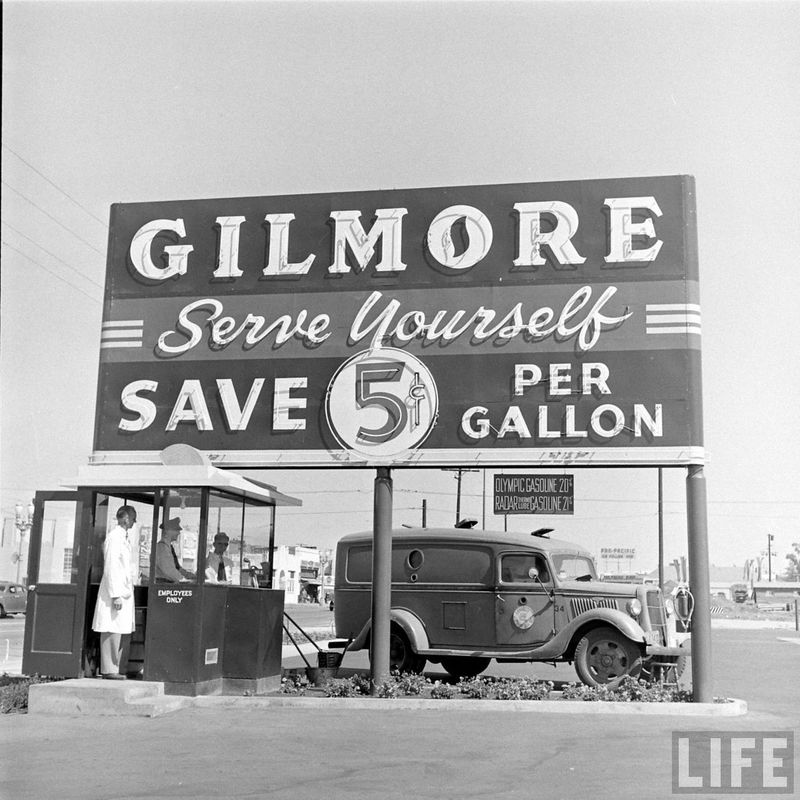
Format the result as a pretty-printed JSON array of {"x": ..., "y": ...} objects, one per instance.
[{"x": 599, "y": 588}]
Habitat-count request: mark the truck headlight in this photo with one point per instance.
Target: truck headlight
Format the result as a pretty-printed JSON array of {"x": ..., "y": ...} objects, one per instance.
[{"x": 634, "y": 607}]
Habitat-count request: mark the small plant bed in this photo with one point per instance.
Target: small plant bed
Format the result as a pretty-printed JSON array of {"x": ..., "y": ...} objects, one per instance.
[
  {"x": 14, "y": 692},
  {"x": 409, "y": 685}
]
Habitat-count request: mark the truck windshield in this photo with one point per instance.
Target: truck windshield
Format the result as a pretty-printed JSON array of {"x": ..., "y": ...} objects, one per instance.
[{"x": 571, "y": 567}]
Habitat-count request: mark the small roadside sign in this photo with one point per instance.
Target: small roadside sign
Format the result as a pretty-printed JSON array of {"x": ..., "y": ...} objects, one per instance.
[{"x": 534, "y": 494}]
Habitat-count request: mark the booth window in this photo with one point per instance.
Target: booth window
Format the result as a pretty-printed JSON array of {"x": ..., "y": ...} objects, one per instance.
[
  {"x": 105, "y": 520},
  {"x": 249, "y": 528},
  {"x": 178, "y": 535}
]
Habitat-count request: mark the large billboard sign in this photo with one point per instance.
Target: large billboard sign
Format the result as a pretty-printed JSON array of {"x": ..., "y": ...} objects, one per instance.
[{"x": 535, "y": 323}]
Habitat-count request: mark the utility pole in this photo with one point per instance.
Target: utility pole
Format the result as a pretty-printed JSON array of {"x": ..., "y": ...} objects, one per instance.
[
  {"x": 770, "y": 539},
  {"x": 459, "y": 471}
]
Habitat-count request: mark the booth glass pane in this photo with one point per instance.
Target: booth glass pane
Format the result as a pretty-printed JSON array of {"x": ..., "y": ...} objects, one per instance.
[
  {"x": 258, "y": 537},
  {"x": 178, "y": 535},
  {"x": 56, "y": 562},
  {"x": 139, "y": 536},
  {"x": 225, "y": 515}
]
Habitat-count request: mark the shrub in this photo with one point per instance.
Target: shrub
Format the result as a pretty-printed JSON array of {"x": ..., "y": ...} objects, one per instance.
[
  {"x": 347, "y": 687},
  {"x": 629, "y": 690},
  {"x": 515, "y": 689},
  {"x": 443, "y": 691},
  {"x": 295, "y": 684},
  {"x": 475, "y": 688},
  {"x": 388, "y": 689},
  {"x": 409, "y": 683},
  {"x": 14, "y": 692},
  {"x": 578, "y": 691}
]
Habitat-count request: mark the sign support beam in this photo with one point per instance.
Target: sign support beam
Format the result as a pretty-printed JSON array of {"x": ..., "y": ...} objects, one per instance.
[
  {"x": 381, "y": 578},
  {"x": 699, "y": 584},
  {"x": 661, "y": 528}
]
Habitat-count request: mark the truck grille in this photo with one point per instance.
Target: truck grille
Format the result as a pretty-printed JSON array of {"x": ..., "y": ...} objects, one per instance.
[
  {"x": 657, "y": 614},
  {"x": 583, "y": 604}
]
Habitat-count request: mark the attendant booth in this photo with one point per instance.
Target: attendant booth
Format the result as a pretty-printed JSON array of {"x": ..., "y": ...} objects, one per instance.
[{"x": 196, "y": 631}]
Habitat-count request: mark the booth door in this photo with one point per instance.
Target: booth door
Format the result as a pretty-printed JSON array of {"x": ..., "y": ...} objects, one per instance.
[{"x": 58, "y": 568}]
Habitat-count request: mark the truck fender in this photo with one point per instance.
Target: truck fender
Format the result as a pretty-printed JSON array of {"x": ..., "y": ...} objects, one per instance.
[
  {"x": 627, "y": 626},
  {"x": 407, "y": 621}
]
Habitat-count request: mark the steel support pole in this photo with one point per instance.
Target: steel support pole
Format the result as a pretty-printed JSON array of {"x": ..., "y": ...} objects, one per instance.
[
  {"x": 699, "y": 584},
  {"x": 661, "y": 528},
  {"x": 381, "y": 578}
]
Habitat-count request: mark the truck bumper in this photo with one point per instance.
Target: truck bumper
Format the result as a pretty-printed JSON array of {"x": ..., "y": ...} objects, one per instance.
[{"x": 660, "y": 651}]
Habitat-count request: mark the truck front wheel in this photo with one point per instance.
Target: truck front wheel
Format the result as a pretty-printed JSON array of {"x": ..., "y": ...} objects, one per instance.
[{"x": 604, "y": 657}]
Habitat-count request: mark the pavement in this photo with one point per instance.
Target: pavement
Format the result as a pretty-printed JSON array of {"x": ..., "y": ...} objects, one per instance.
[{"x": 242, "y": 749}]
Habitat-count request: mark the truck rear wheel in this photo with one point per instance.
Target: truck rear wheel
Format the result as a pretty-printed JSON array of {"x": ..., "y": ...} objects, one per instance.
[
  {"x": 604, "y": 657},
  {"x": 402, "y": 657},
  {"x": 465, "y": 666}
]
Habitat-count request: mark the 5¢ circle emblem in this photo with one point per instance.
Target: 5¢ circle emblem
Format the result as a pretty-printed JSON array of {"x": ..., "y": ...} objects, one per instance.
[{"x": 382, "y": 403}]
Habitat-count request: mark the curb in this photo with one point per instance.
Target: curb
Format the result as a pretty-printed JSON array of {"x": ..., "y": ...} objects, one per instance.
[{"x": 731, "y": 708}]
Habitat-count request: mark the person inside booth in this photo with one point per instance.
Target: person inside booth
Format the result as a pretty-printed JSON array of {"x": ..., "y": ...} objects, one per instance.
[
  {"x": 219, "y": 568},
  {"x": 168, "y": 566}
]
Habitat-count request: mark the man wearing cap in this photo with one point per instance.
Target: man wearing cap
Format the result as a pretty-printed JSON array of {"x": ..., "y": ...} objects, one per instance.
[
  {"x": 219, "y": 568},
  {"x": 168, "y": 568}
]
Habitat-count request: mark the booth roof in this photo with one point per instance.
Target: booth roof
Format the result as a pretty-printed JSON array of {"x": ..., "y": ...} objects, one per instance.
[{"x": 145, "y": 476}]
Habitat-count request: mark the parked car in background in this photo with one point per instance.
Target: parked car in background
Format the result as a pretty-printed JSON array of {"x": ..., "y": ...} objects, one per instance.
[
  {"x": 463, "y": 597},
  {"x": 13, "y": 598},
  {"x": 739, "y": 592}
]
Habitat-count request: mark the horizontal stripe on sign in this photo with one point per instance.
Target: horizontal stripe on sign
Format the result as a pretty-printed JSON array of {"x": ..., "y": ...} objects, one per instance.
[
  {"x": 685, "y": 329},
  {"x": 673, "y": 318},
  {"x": 656, "y": 319},
  {"x": 673, "y": 307},
  {"x": 123, "y": 323},
  {"x": 543, "y": 457},
  {"x": 123, "y": 333},
  {"x": 447, "y": 322},
  {"x": 107, "y": 345}
]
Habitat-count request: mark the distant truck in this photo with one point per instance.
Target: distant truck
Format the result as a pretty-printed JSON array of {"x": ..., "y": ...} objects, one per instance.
[{"x": 739, "y": 592}]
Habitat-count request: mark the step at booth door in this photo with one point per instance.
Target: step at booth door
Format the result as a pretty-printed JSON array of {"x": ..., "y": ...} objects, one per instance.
[{"x": 58, "y": 570}]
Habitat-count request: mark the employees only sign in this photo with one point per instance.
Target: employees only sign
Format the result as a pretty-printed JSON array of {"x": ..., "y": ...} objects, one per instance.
[{"x": 545, "y": 324}]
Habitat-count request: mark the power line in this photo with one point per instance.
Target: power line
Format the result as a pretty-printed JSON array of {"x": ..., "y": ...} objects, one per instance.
[
  {"x": 54, "y": 274},
  {"x": 55, "y": 186},
  {"x": 50, "y": 216},
  {"x": 52, "y": 255}
]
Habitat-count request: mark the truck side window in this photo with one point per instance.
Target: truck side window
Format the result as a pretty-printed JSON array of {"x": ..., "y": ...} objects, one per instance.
[{"x": 515, "y": 568}]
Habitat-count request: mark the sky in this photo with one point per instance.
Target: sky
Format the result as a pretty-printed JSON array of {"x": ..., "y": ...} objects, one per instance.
[{"x": 107, "y": 102}]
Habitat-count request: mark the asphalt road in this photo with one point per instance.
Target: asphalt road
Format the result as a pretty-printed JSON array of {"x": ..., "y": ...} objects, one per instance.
[{"x": 336, "y": 752}]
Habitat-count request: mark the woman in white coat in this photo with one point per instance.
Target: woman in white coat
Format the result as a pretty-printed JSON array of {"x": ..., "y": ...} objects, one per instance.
[{"x": 114, "y": 616}]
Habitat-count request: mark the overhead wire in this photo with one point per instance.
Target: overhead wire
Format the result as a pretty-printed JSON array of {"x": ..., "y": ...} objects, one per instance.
[
  {"x": 50, "y": 216},
  {"x": 52, "y": 255},
  {"x": 55, "y": 185},
  {"x": 54, "y": 274}
]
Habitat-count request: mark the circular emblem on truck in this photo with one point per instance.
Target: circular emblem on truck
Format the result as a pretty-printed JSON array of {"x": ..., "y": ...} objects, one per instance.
[
  {"x": 382, "y": 403},
  {"x": 523, "y": 617}
]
